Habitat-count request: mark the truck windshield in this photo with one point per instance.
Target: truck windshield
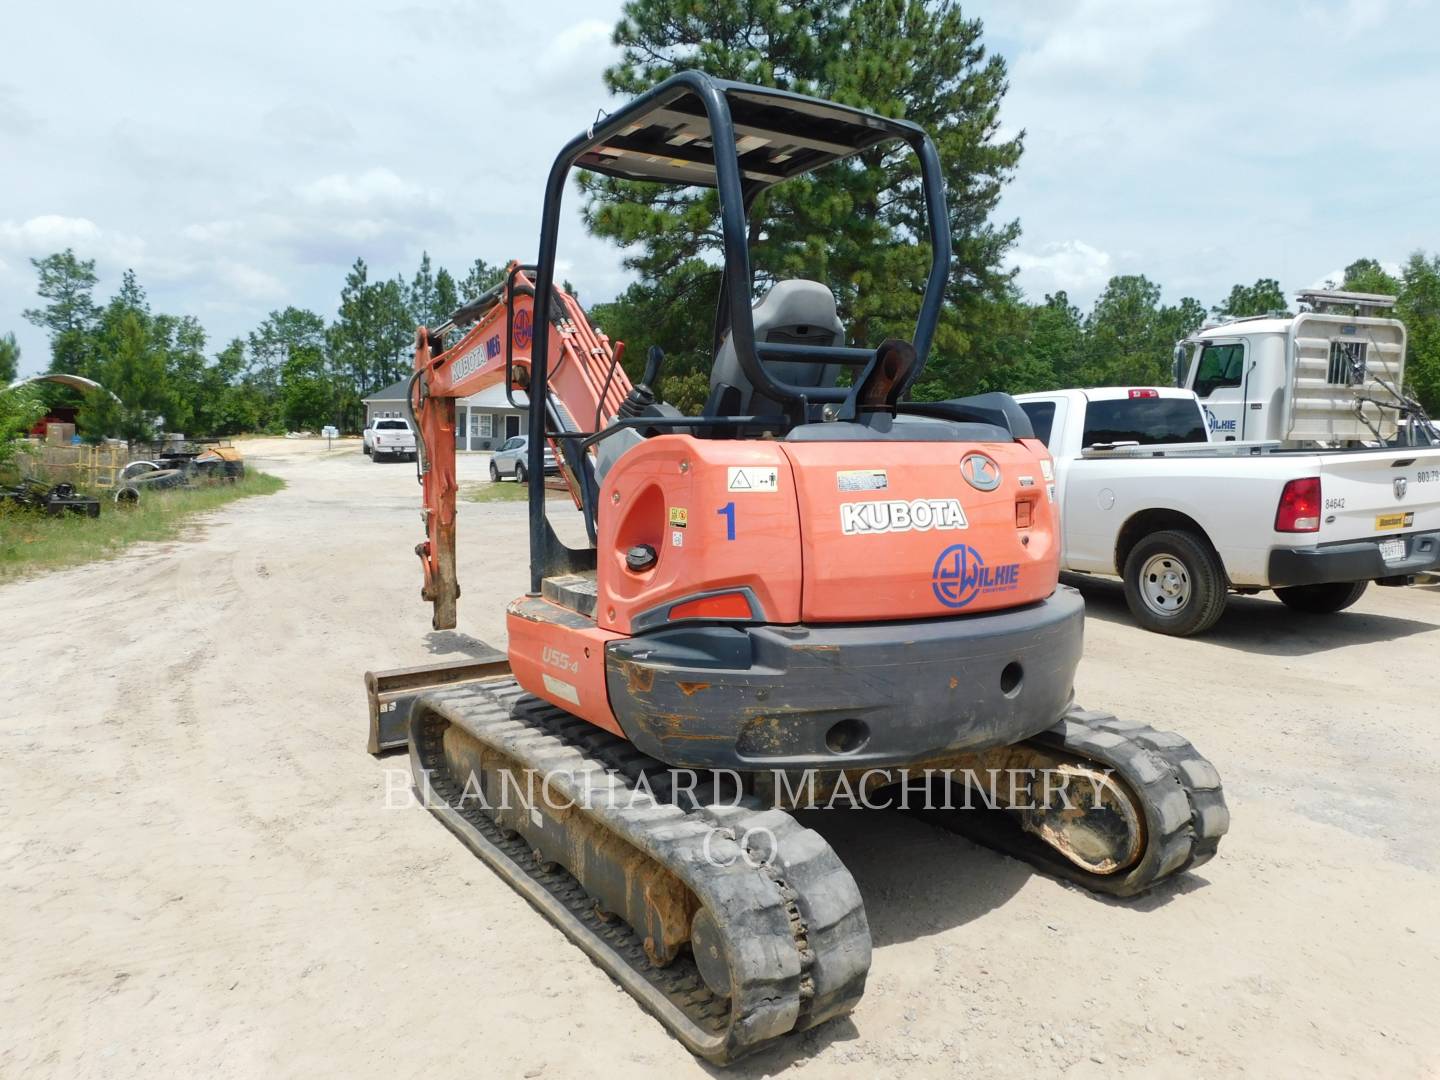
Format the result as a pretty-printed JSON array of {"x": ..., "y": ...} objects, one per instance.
[
  {"x": 1146, "y": 421},
  {"x": 1219, "y": 367}
]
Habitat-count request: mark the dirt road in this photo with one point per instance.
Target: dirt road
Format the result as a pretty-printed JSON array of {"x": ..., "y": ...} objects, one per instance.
[{"x": 200, "y": 875}]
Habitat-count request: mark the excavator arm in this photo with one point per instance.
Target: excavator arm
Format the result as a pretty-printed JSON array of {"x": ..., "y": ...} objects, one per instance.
[{"x": 587, "y": 387}]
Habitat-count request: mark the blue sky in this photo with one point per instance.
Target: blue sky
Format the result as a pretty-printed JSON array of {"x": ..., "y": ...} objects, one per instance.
[{"x": 240, "y": 156}]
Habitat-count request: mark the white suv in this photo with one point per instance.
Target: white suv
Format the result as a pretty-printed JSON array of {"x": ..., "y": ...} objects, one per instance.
[{"x": 513, "y": 457}]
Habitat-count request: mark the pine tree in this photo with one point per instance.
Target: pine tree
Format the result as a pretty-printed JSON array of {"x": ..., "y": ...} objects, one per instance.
[
  {"x": 9, "y": 360},
  {"x": 70, "y": 316},
  {"x": 478, "y": 278},
  {"x": 132, "y": 369},
  {"x": 423, "y": 296},
  {"x": 447, "y": 297}
]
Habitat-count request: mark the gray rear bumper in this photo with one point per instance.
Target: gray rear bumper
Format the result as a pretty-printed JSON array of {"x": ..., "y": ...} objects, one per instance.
[
  {"x": 1358, "y": 560},
  {"x": 846, "y": 696}
]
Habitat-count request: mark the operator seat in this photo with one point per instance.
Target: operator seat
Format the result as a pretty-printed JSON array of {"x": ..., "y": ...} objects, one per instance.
[{"x": 795, "y": 312}]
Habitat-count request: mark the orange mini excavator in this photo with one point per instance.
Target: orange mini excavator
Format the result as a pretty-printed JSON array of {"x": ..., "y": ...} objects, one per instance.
[{"x": 814, "y": 587}]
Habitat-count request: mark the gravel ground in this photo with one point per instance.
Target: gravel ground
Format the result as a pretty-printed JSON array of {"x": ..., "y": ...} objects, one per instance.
[{"x": 201, "y": 875}]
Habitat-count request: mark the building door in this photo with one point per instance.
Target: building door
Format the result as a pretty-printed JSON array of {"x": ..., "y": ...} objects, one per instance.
[{"x": 512, "y": 426}]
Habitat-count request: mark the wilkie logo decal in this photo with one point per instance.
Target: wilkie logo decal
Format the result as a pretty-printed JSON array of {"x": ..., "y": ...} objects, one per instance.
[{"x": 960, "y": 575}]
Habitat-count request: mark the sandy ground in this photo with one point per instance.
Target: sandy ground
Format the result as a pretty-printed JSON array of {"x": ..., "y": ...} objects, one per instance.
[{"x": 200, "y": 875}]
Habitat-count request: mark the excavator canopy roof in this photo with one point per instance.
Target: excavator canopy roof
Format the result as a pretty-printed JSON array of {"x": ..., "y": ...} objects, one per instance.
[{"x": 777, "y": 135}]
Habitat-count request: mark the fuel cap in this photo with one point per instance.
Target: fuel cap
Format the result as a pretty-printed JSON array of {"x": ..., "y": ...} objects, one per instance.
[{"x": 640, "y": 557}]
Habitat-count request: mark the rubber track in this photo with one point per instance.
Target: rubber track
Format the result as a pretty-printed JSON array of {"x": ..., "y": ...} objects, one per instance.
[
  {"x": 1181, "y": 799},
  {"x": 799, "y": 940}
]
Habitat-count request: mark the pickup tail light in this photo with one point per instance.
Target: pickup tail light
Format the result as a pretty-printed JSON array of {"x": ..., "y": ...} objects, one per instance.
[
  {"x": 1144, "y": 394},
  {"x": 1299, "y": 509}
]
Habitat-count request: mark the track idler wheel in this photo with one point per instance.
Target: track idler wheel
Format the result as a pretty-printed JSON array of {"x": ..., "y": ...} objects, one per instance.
[
  {"x": 707, "y": 944},
  {"x": 1111, "y": 804},
  {"x": 1088, "y": 818}
]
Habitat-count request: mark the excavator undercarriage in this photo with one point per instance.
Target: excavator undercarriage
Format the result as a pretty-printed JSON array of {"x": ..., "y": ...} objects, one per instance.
[
  {"x": 815, "y": 594},
  {"x": 704, "y": 897}
]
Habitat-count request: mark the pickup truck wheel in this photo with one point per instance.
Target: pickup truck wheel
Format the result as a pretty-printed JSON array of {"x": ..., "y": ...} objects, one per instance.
[
  {"x": 365, "y": 450},
  {"x": 1174, "y": 583},
  {"x": 375, "y": 457},
  {"x": 1325, "y": 599}
]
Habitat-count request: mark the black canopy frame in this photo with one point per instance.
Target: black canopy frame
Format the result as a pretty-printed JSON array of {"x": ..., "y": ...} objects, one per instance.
[{"x": 697, "y": 130}]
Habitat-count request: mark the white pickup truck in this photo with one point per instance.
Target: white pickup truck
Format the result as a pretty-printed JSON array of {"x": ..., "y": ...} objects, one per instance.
[
  {"x": 1146, "y": 495},
  {"x": 389, "y": 436}
]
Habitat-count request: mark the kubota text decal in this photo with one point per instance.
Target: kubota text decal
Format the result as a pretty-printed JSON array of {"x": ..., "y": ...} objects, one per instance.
[{"x": 887, "y": 516}]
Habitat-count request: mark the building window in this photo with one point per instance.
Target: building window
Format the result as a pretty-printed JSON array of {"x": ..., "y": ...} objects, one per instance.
[
  {"x": 474, "y": 424},
  {"x": 487, "y": 425}
]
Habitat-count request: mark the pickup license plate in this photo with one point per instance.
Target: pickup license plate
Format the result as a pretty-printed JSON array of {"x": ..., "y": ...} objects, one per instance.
[{"x": 1393, "y": 549}]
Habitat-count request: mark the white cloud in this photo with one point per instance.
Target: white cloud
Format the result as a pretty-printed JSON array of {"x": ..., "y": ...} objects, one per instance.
[
  {"x": 375, "y": 213},
  {"x": 1109, "y": 41},
  {"x": 309, "y": 122},
  {"x": 579, "y": 41},
  {"x": 377, "y": 187},
  {"x": 249, "y": 282},
  {"x": 1072, "y": 265},
  {"x": 47, "y": 233},
  {"x": 15, "y": 118}
]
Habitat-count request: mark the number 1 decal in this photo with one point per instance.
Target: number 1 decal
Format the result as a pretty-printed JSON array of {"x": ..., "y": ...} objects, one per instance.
[{"x": 729, "y": 511}]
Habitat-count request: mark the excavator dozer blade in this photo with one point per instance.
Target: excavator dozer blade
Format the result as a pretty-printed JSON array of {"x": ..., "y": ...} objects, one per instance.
[{"x": 390, "y": 694}]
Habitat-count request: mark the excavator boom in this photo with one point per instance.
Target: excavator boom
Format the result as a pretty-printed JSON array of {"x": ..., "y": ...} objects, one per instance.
[{"x": 587, "y": 386}]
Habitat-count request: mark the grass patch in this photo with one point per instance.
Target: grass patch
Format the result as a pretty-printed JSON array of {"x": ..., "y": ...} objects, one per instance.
[
  {"x": 495, "y": 491},
  {"x": 30, "y": 542}
]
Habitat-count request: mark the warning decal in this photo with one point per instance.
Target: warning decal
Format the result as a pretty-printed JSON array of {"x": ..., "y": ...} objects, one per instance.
[{"x": 752, "y": 478}]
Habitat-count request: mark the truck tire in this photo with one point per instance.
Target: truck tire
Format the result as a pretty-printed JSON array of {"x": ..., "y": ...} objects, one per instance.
[
  {"x": 365, "y": 449},
  {"x": 1175, "y": 583},
  {"x": 1324, "y": 599},
  {"x": 375, "y": 457}
]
